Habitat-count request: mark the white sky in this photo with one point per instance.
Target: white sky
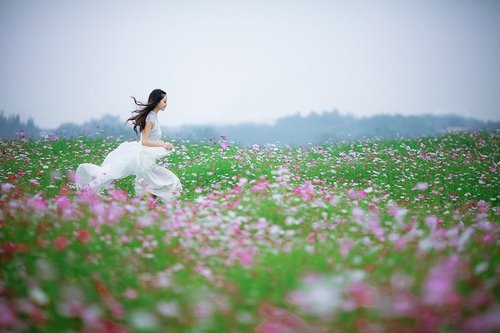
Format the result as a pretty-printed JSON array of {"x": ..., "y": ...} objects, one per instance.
[{"x": 236, "y": 61}]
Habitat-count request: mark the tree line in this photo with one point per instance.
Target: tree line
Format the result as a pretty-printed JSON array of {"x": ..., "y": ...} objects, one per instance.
[{"x": 315, "y": 128}]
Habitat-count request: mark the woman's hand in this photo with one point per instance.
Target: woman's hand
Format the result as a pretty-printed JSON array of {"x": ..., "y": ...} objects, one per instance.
[{"x": 168, "y": 146}]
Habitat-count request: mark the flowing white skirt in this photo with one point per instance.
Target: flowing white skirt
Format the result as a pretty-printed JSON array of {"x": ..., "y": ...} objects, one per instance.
[{"x": 131, "y": 158}]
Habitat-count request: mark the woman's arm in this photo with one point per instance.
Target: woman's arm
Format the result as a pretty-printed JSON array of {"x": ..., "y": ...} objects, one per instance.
[{"x": 152, "y": 143}]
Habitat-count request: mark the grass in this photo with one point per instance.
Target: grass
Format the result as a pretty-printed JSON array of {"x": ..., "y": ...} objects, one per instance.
[{"x": 393, "y": 236}]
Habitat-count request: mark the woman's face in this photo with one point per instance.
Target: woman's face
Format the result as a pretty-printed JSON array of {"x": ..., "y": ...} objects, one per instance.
[{"x": 163, "y": 103}]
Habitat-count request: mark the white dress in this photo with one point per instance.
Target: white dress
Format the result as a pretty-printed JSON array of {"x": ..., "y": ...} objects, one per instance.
[{"x": 132, "y": 158}]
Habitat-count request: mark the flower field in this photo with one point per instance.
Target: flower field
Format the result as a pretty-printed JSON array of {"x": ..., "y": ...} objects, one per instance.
[{"x": 370, "y": 236}]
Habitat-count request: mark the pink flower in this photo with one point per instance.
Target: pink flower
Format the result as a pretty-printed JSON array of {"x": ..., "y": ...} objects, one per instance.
[
  {"x": 439, "y": 286},
  {"x": 432, "y": 221},
  {"x": 361, "y": 294},
  {"x": 21, "y": 134},
  {"x": 145, "y": 221},
  {"x": 115, "y": 213},
  {"x": 109, "y": 214},
  {"x": 261, "y": 186},
  {"x": 345, "y": 247},
  {"x": 244, "y": 255},
  {"x": 6, "y": 187},
  {"x": 130, "y": 293},
  {"x": 478, "y": 299},
  {"x": 281, "y": 321},
  {"x": 60, "y": 243},
  {"x": 71, "y": 175},
  {"x": 37, "y": 204},
  {"x": 170, "y": 309},
  {"x": 118, "y": 195},
  {"x": 483, "y": 206},
  {"x": 306, "y": 190},
  {"x": 353, "y": 195},
  {"x": 83, "y": 236},
  {"x": 224, "y": 144},
  {"x": 204, "y": 271},
  {"x": 404, "y": 304},
  {"x": 400, "y": 243},
  {"x": 375, "y": 229},
  {"x": 7, "y": 315},
  {"x": 357, "y": 213},
  {"x": 88, "y": 196},
  {"x": 398, "y": 212},
  {"x": 421, "y": 186},
  {"x": 488, "y": 239},
  {"x": 62, "y": 203},
  {"x": 487, "y": 322}
]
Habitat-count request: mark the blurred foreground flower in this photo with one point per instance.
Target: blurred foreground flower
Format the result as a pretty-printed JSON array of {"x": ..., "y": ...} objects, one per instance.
[{"x": 281, "y": 321}]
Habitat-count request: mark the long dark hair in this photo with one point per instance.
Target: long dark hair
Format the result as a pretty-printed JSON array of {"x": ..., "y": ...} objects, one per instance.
[{"x": 139, "y": 119}]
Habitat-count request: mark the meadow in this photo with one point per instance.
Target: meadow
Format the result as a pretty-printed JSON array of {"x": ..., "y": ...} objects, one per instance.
[{"x": 368, "y": 236}]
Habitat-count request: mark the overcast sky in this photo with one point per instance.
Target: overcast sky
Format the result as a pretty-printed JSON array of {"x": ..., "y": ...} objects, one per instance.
[{"x": 238, "y": 61}]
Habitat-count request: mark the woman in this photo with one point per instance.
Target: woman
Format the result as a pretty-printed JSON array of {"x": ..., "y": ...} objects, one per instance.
[{"x": 137, "y": 158}]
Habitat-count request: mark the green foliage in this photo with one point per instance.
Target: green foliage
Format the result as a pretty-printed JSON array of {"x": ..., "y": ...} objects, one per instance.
[{"x": 255, "y": 227}]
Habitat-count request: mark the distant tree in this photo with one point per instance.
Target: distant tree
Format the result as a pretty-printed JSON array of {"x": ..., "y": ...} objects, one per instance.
[
  {"x": 12, "y": 127},
  {"x": 107, "y": 125},
  {"x": 315, "y": 128}
]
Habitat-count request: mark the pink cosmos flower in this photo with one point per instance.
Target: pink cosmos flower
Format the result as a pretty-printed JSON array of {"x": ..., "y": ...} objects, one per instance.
[
  {"x": 168, "y": 309},
  {"x": 145, "y": 222},
  {"x": 71, "y": 175},
  {"x": 376, "y": 229},
  {"x": 404, "y": 304},
  {"x": 345, "y": 247},
  {"x": 281, "y": 321},
  {"x": 118, "y": 195},
  {"x": 130, "y": 293},
  {"x": 439, "y": 286},
  {"x": 486, "y": 322},
  {"x": 353, "y": 194},
  {"x": 60, "y": 243},
  {"x": 483, "y": 206},
  {"x": 204, "y": 271},
  {"x": 421, "y": 186},
  {"x": 62, "y": 202},
  {"x": 361, "y": 294},
  {"x": 306, "y": 190},
  {"x": 37, "y": 204},
  {"x": 6, "y": 187},
  {"x": 115, "y": 213},
  {"x": 400, "y": 243},
  {"x": 7, "y": 315},
  {"x": 83, "y": 236},
  {"x": 88, "y": 196},
  {"x": 21, "y": 134},
  {"x": 224, "y": 144},
  {"x": 261, "y": 186},
  {"x": 432, "y": 221},
  {"x": 479, "y": 299},
  {"x": 244, "y": 255},
  {"x": 398, "y": 212},
  {"x": 488, "y": 239}
]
